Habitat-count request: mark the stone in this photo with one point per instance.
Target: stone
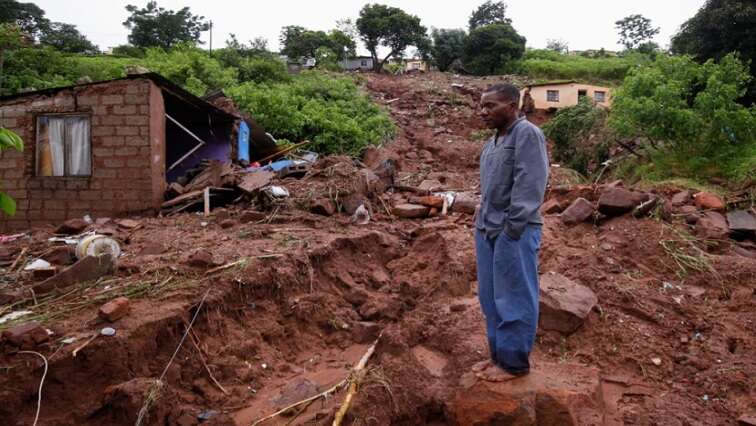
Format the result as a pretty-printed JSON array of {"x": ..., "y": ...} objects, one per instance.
[
  {"x": 410, "y": 211},
  {"x": 681, "y": 198},
  {"x": 448, "y": 180},
  {"x": 747, "y": 420},
  {"x": 251, "y": 216},
  {"x": 579, "y": 211},
  {"x": 86, "y": 269},
  {"x": 365, "y": 331},
  {"x": 428, "y": 201},
  {"x": 709, "y": 201},
  {"x": 201, "y": 259},
  {"x": 430, "y": 185},
  {"x": 741, "y": 221},
  {"x": 552, "y": 394},
  {"x": 295, "y": 390},
  {"x": 42, "y": 274},
  {"x": 644, "y": 208},
  {"x": 127, "y": 223},
  {"x": 465, "y": 203},
  {"x": 690, "y": 214},
  {"x": 115, "y": 309},
  {"x": 618, "y": 201},
  {"x": 26, "y": 335},
  {"x": 564, "y": 304},
  {"x": 323, "y": 206},
  {"x": 356, "y": 297},
  {"x": 252, "y": 182},
  {"x": 351, "y": 203},
  {"x": 552, "y": 206},
  {"x": 712, "y": 225},
  {"x": 72, "y": 227},
  {"x": 228, "y": 223},
  {"x": 457, "y": 307},
  {"x": 379, "y": 309}
]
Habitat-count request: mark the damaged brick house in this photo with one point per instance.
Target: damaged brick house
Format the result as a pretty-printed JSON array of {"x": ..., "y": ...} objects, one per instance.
[{"x": 106, "y": 148}]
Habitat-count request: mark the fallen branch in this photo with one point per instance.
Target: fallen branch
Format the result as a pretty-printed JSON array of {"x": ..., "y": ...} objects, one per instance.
[
  {"x": 325, "y": 393},
  {"x": 41, "y": 383},
  {"x": 204, "y": 363},
  {"x": 84, "y": 345},
  {"x": 283, "y": 151},
  {"x": 241, "y": 262},
  {"x": 356, "y": 376},
  {"x": 18, "y": 259}
]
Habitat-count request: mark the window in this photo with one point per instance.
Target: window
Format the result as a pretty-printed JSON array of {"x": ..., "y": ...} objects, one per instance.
[
  {"x": 363, "y": 63},
  {"x": 599, "y": 96},
  {"x": 552, "y": 95},
  {"x": 63, "y": 145}
]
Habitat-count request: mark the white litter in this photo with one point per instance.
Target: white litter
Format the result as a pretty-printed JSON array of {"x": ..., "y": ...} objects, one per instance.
[
  {"x": 13, "y": 315},
  {"x": 278, "y": 191},
  {"x": 37, "y": 264}
]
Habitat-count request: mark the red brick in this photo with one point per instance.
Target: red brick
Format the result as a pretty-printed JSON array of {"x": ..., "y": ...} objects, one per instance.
[
  {"x": 77, "y": 183},
  {"x": 114, "y": 162},
  {"x": 127, "y": 151},
  {"x": 111, "y": 120},
  {"x": 144, "y": 130},
  {"x": 138, "y": 162},
  {"x": 137, "y": 120},
  {"x": 90, "y": 195},
  {"x": 103, "y": 131},
  {"x": 104, "y": 173},
  {"x": 127, "y": 131},
  {"x": 113, "y": 141},
  {"x": 54, "y": 204},
  {"x": 136, "y": 99},
  {"x": 115, "y": 309},
  {"x": 88, "y": 100},
  {"x": 112, "y": 100},
  {"x": 124, "y": 109},
  {"x": 26, "y": 335},
  {"x": 103, "y": 152},
  {"x": 136, "y": 141}
]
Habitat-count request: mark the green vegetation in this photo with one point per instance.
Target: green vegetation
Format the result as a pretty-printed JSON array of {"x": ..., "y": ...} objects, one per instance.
[
  {"x": 326, "y": 109},
  {"x": 551, "y": 65},
  {"x": 8, "y": 140}
]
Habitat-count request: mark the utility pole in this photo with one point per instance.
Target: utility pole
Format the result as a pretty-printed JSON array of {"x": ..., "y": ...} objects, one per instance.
[{"x": 211, "y": 36}]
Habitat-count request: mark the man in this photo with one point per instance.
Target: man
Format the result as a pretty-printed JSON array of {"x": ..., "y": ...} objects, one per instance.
[{"x": 514, "y": 169}]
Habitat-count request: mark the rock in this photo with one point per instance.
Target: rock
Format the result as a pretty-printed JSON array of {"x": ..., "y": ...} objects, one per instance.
[
  {"x": 425, "y": 155},
  {"x": 740, "y": 251},
  {"x": 747, "y": 419},
  {"x": 356, "y": 297},
  {"x": 564, "y": 304},
  {"x": 323, "y": 206},
  {"x": 712, "y": 226},
  {"x": 42, "y": 274},
  {"x": 552, "y": 394},
  {"x": 201, "y": 259},
  {"x": 428, "y": 201},
  {"x": 115, "y": 309},
  {"x": 709, "y": 201},
  {"x": 430, "y": 185},
  {"x": 102, "y": 221},
  {"x": 379, "y": 309},
  {"x": 457, "y": 307},
  {"x": 681, "y": 198},
  {"x": 464, "y": 203},
  {"x": 618, "y": 201},
  {"x": 410, "y": 211},
  {"x": 295, "y": 390},
  {"x": 26, "y": 335},
  {"x": 228, "y": 223},
  {"x": 351, "y": 203},
  {"x": 251, "y": 216},
  {"x": 253, "y": 182},
  {"x": 365, "y": 331},
  {"x": 72, "y": 227},
  {"x": 448, "y": 180},
  {"x": 690, "y": 214},
  {"x": 552, "y": 206},
  {"x": 371, "y": 157},
  {"x": 741, "y": 221},
  {"x": 579, "y": 211},
  {"x": 127, "y": 223},
  {"x": 87, "y": 269},
  {"x": 644, "y": 208}
]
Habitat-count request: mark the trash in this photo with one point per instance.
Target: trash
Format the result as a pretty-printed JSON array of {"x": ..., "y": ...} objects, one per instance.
[
  {"x": 88, "y": 219},
  {"x": 253, "y": 181},
  {"x": 96, "y": 245},
  {"x": 37, "y": 264},
  {"x": 206, "y": 415},
  {"x": 277, "y": 191},
  {"x": 108, "y": 331},
  {"x": 68, "y": 340},
  {"x": 361, "y": 216},
  {"x": 10, "y": 238},
  {"x": 705, "y": 397},
  {"x": 13, "y": 315},
  {"x": 656, "y": 361},
  {"x": 265, "y": 366}
]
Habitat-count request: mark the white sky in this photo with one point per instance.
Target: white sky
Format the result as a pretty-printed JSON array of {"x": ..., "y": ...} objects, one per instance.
[{"x": 584, "y": 24}]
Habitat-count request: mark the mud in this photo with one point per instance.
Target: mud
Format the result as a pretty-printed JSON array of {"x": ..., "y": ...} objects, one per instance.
[{"x": 664, "y": 346}]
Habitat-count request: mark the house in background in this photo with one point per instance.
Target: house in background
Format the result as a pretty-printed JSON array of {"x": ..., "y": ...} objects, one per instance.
[
  {"x": 411, "y": 65},
  {"x": 361, "y": 63},
  {"x": 566, "y": 93},
  {"x": 106, "y": 148}
]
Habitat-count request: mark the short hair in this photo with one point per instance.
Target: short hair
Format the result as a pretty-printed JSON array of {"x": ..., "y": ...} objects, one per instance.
[{"x": 508, "y": 91}]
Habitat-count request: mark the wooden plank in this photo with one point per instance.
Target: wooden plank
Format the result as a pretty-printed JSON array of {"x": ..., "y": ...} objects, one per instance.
[
  {"x": 207, "y": 201},
  {"x": 253, "y": 181}
]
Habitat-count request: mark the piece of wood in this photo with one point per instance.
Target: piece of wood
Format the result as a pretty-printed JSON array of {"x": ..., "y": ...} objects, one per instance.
[
  {"x": 182, "y": 198},
  {"x": 18, "y": 259},
  {"x": 253, "y": 181},
  {"x": 282, "y": 152},
  {"x": 356, "y": 376},
  {"x": 206, "y": 196}
]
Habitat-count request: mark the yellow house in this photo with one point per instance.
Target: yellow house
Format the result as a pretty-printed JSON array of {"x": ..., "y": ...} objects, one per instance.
[{"x": 566, "y": 93}]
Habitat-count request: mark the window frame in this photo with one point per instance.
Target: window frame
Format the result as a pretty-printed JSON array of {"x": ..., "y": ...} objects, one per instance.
[
  {"x": 603, "y": 96},
  {"x": 550, "y": 92},
  {"x": 65, "y": 175},
  {"x": 363, "y": 62}
]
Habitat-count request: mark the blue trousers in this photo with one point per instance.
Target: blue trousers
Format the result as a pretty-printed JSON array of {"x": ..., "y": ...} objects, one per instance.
[{"x": 508, "y": 293}]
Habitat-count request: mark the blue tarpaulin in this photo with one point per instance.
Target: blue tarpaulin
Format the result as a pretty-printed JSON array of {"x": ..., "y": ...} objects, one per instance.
[{"x": 243, "y": 142}]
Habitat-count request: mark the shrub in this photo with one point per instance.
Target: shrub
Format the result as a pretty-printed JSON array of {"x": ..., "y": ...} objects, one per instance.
[
  {"x": 551, "y": 65},
  {"x": 190, "y": 67},
  {"x": 329, "y": 111},
  {"x": 263, "y": 69}
]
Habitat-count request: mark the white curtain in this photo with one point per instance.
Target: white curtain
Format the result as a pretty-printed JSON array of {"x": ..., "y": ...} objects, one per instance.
[
  {"x": 77, "y": 146},
  {"x": 50, "y": 146}
]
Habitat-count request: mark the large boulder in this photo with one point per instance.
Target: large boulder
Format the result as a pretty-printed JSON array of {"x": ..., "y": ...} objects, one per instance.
[
  {"x": 564, "y": 304},
  {"x": 579, "y": 211},
  {"x": 552, "y": 394},
  {"x": 616, "y": 201},
  {"x": 709, "y": 201},
  {"x": 741, "y": 221},
  {"x": 712, "y": 226},
  {"x": 681, "y": 198}
]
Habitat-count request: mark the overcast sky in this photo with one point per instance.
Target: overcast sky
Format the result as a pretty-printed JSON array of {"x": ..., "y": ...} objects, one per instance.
[{"x": 584, "y": 24}]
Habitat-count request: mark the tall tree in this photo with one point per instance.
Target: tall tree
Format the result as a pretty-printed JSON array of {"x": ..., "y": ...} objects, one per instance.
[
  {"x": 154, "y": 26},
  {"x": 299, "y": 42},
  {"x": 10, "y": 38},
  {"x": 342, "y": 44},
  {"x": 448, "y": 46},
  {"x": 490, "y": 48},
  {"x": 389, "y": 27},
  {"x": 66, "y": 38},
  {"x": 721, "y": 27},
  {"x": 28, "y": 16},
  {"x": 488, "y": 13},
  {"x": 557, "y": 45},
  {"x": 635, "y": 30}
]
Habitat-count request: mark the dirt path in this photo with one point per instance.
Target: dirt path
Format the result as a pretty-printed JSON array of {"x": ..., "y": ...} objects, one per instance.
[{"x": 661, "y": 347}]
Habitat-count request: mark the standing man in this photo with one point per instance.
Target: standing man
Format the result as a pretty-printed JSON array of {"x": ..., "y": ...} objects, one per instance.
[{"x": 514, "y": 169}]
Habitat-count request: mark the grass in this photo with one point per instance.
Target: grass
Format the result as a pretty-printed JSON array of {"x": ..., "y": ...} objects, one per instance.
[{"x": 686, "y": 252}]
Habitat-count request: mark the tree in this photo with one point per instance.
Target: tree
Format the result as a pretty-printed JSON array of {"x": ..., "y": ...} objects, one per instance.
[
  {"x": 721, "y": 27},
  {"x": 299, "y": 42},
  {"x": 560, "y": 45},
  {"x": 489, "y": 13},
  {"x": 488, "y": 49},
  {"x": 28, "y": 16},
  {"x": 66, "y": 38},
  {"x": 10, "y": 39},
  {"x": 634, "y": 30},
  {"x": 341, "y": 43},
  {"x": 154, "y": 26},
  {"x": 389, "y": 27},
  {"x": 448, "y": 46}
]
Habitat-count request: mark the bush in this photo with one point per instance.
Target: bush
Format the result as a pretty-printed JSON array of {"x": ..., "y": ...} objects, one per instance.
[
  {"x": 551, "y": 65},
  {"x": 263, "y": 70},
  {"x": 688, "y": 119},
  {"x": 329, "y": 111},
  {"x": 580, "y": 142},
  {"x": 190, "y": 67}
]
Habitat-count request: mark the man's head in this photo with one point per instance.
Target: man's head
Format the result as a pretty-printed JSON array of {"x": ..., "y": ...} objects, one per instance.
[{"x": 499, "y": 106}]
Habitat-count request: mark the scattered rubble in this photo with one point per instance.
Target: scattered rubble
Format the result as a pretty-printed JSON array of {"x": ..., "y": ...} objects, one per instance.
[
  {"x": 564, "y": 304},
  {"x": 709, "y": 201},
  {"x": 115, "y": 309},
  {"x": 579, "y": 211}
]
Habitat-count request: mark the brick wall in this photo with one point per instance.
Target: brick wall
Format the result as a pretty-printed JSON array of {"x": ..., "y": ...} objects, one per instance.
[{"x": 122, "y": 155}]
